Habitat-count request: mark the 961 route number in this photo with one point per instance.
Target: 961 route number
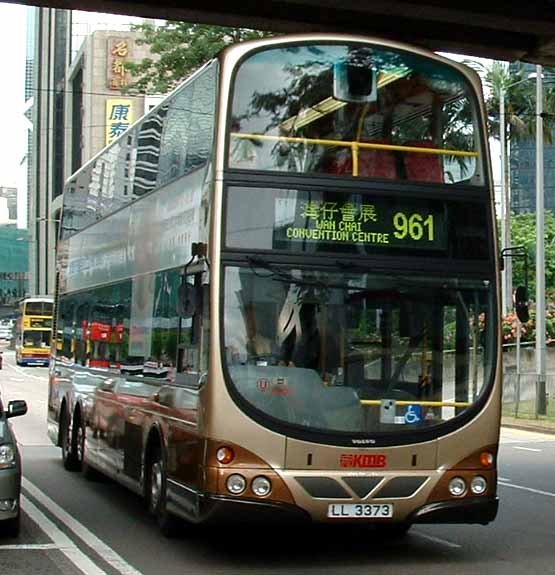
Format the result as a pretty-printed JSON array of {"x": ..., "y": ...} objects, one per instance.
[{"x": 359, "y": 510}]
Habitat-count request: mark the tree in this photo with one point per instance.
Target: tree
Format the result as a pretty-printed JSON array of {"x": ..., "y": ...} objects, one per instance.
[
  {"x": 520, "y": 100},
  {"x": 178, "y": 49},
  {"x": 524, "y": 234}
]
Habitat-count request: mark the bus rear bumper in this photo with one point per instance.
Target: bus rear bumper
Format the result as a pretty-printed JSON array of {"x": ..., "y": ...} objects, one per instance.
[{"x": 476, "y": 510}]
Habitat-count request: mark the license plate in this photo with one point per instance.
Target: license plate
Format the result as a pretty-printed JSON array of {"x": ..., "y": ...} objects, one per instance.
[{"x": 359, "y": 510}]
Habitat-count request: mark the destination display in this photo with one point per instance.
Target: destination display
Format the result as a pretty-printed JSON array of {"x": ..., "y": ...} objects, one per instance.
[
  {"x": 356, "y": 223},
  {"x": 371, "y": 223}
]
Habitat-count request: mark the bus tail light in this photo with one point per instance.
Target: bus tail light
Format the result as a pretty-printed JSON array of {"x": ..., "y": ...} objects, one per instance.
[{"x": 225, "y": 455}]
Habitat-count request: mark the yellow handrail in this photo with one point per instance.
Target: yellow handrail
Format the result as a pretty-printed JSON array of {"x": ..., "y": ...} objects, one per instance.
[
  {"x": 355, "y": 145},
  {"x": 374, "y": 402}
]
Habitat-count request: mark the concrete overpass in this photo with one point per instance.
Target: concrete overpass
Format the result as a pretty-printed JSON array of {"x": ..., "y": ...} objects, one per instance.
[{"x": 506, "y": 31}]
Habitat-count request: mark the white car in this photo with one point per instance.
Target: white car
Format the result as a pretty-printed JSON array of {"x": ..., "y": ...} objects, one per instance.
[{"x": 5, "y": 333}]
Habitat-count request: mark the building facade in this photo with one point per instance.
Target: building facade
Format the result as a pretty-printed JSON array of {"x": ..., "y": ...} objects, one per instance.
[
  {"x": 98, "y": 109},
  {"x": 522, "y": 154},
  {"x": 8, "y": 205},
  {"x": 50, "y": 49},
  {"x": 77, "y": 102}
]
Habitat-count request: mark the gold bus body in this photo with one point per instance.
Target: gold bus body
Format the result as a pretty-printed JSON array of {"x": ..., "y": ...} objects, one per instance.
[{"x": 190, "y": 425}]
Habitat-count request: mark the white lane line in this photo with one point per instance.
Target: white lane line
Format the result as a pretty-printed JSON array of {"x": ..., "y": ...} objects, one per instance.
[
  {"x": 26, "y": 374},
  {"x": 526, "y": 448},
  {"x": 61, "y": 540},
  {"x": 522, "y": 488},
  {"x": 503, "y": 479},
  {"x": 89, "y": 538},
  {"x": 433, "y": 539},
  {"x": 31, "y": 546}
]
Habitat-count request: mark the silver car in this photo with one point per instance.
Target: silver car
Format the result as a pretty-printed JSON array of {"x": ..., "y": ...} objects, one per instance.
[{"x": 10, "y": 470}]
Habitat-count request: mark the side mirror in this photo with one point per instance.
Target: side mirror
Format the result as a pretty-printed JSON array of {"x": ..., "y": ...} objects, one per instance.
[
  {"x": 187, "y": 299},
  {"x": 521, "y": 304},
  {"x": 16, "y": 408}
]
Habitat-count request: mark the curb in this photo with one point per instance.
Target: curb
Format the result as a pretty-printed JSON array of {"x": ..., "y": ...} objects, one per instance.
[{"x": 530, "y": 427}]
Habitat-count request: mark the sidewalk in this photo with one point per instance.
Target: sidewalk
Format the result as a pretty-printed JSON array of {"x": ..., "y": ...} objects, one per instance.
[{"x": 529, "y": 424}]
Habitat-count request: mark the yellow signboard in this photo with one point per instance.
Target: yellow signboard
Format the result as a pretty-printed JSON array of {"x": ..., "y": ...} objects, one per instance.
[{"x": 119, "y": 116}]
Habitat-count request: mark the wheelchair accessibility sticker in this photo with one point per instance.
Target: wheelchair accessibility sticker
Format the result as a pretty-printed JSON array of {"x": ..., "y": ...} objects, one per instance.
[{"x": 413, "y": 414}]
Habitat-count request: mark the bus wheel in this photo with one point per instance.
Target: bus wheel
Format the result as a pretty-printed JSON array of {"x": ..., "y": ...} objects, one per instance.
[
  {"x": 157, "y": 496},
  {"x": 69, "y": 444}
]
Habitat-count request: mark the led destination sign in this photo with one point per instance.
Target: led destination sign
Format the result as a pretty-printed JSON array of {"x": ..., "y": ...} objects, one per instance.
[{"x": 371, "y": 223}]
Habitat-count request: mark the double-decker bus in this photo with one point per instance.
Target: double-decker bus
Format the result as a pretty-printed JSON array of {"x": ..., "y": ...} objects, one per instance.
[
  {"x": 300, "y": 243},
  {"x": 34, "y": 331}
]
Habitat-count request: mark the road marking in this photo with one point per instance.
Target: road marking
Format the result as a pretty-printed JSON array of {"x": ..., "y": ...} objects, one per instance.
[
  {"x": 437, "y": 540},
  {"x": 25, "y": 373},
  {"x": 503, "y": 479},
  {"x": 61, "y": 540},
  {"x": 88, "y": 537},
  {"x": 522, "y": 488},
  {"x": 31, "y": 546},
  {"x": 526, "y": 448}
]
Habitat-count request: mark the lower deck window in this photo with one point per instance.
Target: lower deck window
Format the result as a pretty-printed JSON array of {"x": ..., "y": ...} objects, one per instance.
[{"x": 363, "y": 353}]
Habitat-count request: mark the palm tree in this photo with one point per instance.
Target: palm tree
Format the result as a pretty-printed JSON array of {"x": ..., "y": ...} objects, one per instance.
[{"x": 520, "y": 100}]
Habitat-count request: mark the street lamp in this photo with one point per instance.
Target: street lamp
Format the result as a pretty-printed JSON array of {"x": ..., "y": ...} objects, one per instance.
[
  {"x": 541, "y": 403},
  {"x": 507, "y": 273},
  {"x": 541, "y": 398}
]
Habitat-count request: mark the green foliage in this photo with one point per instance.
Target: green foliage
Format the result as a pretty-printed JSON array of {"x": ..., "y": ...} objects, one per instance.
[
  {"x": 520, "y": 100},
  {"x": 528, "y": 329},
  {"x": 523, "y": 233},
  {"x": 178, "y": 49}
]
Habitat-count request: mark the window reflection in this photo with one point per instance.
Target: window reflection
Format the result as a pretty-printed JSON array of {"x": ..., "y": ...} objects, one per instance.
[
  {"x": 106, "y": 329},
  {"x": 403, "y": 117},
  {"x": 356, "y": 352}
]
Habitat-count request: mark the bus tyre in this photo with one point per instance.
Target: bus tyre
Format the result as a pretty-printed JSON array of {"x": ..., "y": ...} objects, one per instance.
[
  {"x": 89, "y": 473},
  {"x": 68, "y": 442},
  {"x": 156, "y": 492}
]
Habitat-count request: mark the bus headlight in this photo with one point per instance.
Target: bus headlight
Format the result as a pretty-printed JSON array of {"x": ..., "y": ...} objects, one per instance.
[
  {"x": 7, "y": 456},
  {"x": 457, "y": 487},
  {"x": 478, "y": 485},
  {"x": 261, "y": 486},
  {"x": 236, "y": 484}
]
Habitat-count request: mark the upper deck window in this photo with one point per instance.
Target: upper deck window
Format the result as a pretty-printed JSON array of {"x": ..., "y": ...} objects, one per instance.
[
  {"x": 42, "y": 308},
  {"x": 355, "y": 110}
]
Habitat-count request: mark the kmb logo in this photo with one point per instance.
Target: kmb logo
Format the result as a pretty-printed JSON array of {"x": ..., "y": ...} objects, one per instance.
[{"x": 363, "y": 460}]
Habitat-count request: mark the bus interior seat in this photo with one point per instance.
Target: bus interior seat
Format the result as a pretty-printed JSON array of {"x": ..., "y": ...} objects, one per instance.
[
  {"x": 372, "y": 163},
  {"x": 354, "y": 370},
  {"x": 423, "y": 167}
]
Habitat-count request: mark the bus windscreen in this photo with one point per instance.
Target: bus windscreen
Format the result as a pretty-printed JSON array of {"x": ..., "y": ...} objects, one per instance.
[{"x": 352, "y": 110}]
